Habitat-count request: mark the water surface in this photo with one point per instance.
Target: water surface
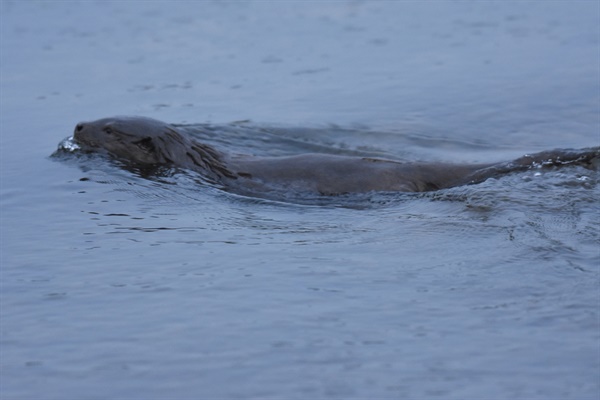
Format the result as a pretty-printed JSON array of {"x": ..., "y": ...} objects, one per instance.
[{"x": 115, "y": 285}]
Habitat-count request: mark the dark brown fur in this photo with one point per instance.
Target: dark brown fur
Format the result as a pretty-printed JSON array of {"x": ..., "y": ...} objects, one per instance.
[{"x": 147, "y": 141}]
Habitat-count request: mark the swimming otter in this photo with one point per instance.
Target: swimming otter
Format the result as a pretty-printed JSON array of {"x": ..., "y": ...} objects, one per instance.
[{"x": 149, "y": 142}]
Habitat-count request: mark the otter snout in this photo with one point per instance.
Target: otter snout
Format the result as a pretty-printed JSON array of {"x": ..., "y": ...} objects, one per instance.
[
  {"x": 80, "y": 129},
  {"x": 88, "y": 134}
]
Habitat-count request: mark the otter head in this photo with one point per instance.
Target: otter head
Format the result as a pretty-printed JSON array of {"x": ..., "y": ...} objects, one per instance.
[
  {"x": 148, "y": 142},
  {"x": 138, "y": 140}
]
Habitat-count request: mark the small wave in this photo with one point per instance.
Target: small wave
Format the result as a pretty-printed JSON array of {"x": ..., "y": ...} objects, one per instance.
[{"x": 68, "y": 145}]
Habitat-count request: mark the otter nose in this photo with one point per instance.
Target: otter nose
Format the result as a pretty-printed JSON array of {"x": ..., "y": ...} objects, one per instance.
[
  {"x": 79, "y": 127},
  {"x": 79, "y": 130}
]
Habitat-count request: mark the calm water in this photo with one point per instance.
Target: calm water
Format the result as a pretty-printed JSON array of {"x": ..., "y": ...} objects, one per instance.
[{"x": 115, "y": 286}]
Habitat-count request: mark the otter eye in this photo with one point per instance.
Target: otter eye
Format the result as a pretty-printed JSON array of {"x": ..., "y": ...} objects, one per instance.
[
  {"x": 108, "y": 130},
  {"x": 145, "y": 144}
]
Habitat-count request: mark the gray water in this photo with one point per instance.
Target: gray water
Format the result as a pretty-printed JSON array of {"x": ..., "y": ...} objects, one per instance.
[{"x": 120, "y": 286}]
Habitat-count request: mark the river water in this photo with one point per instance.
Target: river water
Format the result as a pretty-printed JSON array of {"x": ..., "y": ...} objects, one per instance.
[{"x": 120, "y": 286}]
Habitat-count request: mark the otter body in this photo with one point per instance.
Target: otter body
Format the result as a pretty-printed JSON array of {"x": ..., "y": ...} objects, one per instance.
[
  {"x": 333, "y": 174},
  {"x": 148, "y": 142}
]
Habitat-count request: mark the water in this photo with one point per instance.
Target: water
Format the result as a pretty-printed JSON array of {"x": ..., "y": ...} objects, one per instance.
[{"x": 119, "y": 286}]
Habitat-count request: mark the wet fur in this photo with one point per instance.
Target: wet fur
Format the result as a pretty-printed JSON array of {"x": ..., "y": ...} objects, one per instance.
[{"x": 145, "y": 141}]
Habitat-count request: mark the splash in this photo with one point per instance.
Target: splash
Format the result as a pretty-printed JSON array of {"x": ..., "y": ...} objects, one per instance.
[{"x": 69, "y": 145}]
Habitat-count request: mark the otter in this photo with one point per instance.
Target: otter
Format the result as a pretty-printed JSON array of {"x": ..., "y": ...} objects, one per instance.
[{"x": 149, "y": 142}]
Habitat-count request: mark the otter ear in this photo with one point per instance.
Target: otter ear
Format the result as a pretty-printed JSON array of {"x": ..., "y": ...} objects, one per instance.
[{"x": 146, "y": 145}]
